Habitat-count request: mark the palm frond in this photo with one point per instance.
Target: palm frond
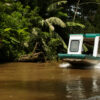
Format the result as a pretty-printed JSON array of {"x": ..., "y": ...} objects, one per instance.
[
  {"x": 62, "y": 14},
  {"x": 54, "y": 5},
  {"x": 63, "y": 42},
  {"x": 51, "y": 27},
  {"x": 45, "y": 46},
  {"x": 75, "y": 24},
  {"x": 56, "y": 21},
  {"x": 53, "y": 20}
]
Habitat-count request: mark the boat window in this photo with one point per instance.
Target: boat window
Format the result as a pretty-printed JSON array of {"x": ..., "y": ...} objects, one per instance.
[{"x": 74, "y": 47}]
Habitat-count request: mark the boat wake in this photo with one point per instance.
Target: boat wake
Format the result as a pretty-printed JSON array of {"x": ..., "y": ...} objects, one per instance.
[
  {"x": 64, "y": 65},
  {"x": 97, "y": 65},
  {"x": 82, "y": 65}
]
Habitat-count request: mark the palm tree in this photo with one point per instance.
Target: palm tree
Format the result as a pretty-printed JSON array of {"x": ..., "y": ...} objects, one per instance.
[{"x": 50, "y": 22}]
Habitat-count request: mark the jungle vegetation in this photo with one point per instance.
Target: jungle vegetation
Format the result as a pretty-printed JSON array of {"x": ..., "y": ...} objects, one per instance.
[{"x": 29, "y": 27}]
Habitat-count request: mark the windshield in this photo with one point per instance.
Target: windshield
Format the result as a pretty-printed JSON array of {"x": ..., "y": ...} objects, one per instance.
[{"x": 74, "y": 46}]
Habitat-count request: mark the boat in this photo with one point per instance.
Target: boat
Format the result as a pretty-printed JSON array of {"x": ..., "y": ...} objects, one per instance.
[{"x": 76, "y": 49}]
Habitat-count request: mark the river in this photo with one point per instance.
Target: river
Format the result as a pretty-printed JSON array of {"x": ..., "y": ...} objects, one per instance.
[{"x": 47, "y": 81}]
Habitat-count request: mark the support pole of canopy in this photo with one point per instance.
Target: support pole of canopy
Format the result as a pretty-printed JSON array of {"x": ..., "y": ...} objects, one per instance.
[{"x": 96, "y": 44}]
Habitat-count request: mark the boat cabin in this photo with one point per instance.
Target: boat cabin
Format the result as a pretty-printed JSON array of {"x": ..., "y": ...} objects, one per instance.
[{"x": 83, "y": 46}]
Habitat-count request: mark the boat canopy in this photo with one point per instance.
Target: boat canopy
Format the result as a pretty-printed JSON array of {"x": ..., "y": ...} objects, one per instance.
[
  {"x": 87, "y": 35},
  {"x": 75, "y": 46}
]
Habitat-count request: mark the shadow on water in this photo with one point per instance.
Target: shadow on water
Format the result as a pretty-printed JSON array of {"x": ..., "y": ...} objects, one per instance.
[{"x": 82, "y": 65}]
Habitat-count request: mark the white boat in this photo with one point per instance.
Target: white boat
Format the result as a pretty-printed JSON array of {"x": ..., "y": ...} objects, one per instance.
[{"x": 76, "y": 54}]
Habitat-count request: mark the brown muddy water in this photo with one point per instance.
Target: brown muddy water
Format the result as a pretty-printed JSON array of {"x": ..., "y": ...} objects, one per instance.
[{"x": 47, "y": 81}]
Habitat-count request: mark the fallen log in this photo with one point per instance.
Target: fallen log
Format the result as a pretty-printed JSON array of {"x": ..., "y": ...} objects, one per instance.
[{"x": 34, "y": 57}]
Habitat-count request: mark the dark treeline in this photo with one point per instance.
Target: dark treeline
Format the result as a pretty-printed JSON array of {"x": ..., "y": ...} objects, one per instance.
[{"x": 41, "y": 27}]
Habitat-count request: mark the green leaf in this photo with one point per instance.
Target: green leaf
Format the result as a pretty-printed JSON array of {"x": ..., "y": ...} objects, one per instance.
[
  {"x": 36, "y": 31},
  {"x": 21, "y": 30},
  {"x": 64, "y": 44},
  {"x": 26, "y": 44},
  {"x": 46, "y": 47},
  {"x": 98, "y": 1},
  {"x": 7, "y": 29},
  {"x": 14, "y": 39},
  {"x": 85, "y": 48},
  {"x": 54, "y": 5},
  {"x": 62, "y": 14},
  {"x": 75, "y": 24},
  {"x": 5, "y": 41}
]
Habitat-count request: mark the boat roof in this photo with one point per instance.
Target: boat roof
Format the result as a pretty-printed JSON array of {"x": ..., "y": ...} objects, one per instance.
[{"x": 88, "y": 35}]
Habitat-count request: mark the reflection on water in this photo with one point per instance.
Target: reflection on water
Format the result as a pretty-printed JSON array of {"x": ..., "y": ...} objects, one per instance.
[
  {"x": 30, "y": 81},
  {"x": 97, "y": 65}
]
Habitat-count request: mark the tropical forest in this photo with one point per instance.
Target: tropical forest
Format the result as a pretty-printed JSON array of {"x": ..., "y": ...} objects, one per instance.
[{"x": 37, "y": 30}]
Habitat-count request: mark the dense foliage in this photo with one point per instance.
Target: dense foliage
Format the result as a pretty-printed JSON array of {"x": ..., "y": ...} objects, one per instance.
[{"x": 33, "y": 26}]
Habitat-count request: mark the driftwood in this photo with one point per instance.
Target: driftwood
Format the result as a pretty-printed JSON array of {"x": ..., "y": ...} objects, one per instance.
[{"x": 34, "y": 57}]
